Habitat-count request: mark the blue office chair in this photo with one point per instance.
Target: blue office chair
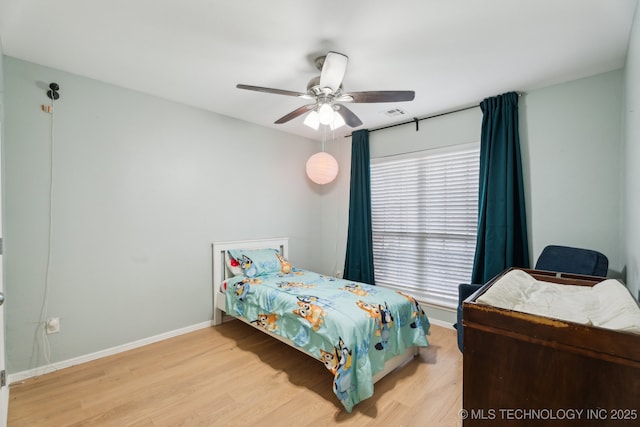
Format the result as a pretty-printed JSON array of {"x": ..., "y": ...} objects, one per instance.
[{"x": 561, "y": 259}]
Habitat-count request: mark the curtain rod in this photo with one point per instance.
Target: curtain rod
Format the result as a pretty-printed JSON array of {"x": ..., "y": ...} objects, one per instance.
[{"x": 416, "y": 120}]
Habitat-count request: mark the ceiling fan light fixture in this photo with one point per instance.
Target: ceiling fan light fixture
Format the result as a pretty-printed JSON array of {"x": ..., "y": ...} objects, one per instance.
[
  {"x": 337, "y": 122},
  {"x": 325, "y": 114},
  {"x": 327, "y": 95},
  {"x": 312, "y": 120}
]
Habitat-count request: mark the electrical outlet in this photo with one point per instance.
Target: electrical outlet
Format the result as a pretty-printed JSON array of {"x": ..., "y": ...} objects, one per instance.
[{"x": 53, "y": 325}]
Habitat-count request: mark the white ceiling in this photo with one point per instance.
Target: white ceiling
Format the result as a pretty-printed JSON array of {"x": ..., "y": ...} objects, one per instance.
[{"x": 452, "y": 53}]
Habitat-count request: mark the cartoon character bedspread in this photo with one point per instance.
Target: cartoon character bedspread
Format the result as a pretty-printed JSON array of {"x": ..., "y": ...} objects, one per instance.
[{"x": 353, "y": 328}]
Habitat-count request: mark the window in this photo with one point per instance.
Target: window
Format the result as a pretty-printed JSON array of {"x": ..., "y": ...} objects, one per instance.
[{"x": 424, "y": 209}]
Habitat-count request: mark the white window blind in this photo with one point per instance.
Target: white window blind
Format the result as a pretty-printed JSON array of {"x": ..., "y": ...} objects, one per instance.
[{"x": 424, "y": 210}]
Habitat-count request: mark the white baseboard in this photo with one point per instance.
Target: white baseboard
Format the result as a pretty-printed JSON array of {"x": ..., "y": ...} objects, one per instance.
[
  {"x": 442, "y": 323},
  {"x": 41, "y": 370}
]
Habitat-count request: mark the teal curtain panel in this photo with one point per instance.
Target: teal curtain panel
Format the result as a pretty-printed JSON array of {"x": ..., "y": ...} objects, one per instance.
[
  {"x": 502, "y": 227},
  {"x": 359, "y": 258}
]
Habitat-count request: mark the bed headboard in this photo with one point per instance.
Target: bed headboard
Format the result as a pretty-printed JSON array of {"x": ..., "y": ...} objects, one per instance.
[{"x": 220, "y": 272}]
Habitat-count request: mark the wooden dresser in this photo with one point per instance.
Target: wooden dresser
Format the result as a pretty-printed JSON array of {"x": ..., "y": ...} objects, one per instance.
[{"x": 521, "y": 369}]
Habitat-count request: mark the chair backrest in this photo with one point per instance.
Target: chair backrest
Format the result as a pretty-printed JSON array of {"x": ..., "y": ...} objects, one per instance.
[{"x": 566, "y": 259}]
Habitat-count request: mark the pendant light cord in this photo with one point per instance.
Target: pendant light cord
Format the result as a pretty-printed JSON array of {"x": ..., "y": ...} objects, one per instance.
[{"x": 42, "y": 324}]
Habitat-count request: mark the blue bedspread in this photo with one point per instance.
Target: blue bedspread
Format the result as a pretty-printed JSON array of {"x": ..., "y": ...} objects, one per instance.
[{"x": 353, "y": 328}]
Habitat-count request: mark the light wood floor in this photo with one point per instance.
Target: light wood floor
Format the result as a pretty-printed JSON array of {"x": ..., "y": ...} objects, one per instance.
[{"x": 234, "y": 375}]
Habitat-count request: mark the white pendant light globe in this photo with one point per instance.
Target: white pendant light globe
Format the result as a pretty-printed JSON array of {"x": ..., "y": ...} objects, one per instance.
[{"x": 322, "y": 168}]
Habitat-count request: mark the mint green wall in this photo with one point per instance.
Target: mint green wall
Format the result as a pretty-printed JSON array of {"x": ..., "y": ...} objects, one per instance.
[
  {"x": 571, "y": 137},
  {"x": 142, "y": 187},
  {"x": 631, "y": 162}
]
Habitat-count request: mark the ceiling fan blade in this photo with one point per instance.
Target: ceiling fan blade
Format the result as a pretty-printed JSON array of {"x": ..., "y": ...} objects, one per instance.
[
  {"x": 333, "y": 70},
  {"x": 274, "y": 91},
  {"x": 378, "y": 96},
  {"x": 295, "y": 113},
  {"x": 349, "y": 117}
]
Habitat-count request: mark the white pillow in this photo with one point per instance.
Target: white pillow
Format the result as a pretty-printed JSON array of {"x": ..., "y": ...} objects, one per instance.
[{"x": 617, "y": 308}]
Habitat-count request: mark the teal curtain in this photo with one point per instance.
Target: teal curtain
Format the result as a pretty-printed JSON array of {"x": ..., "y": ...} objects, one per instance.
[
  {"x": 358, "y": 264},
  {"x": 502, "y": 226}
]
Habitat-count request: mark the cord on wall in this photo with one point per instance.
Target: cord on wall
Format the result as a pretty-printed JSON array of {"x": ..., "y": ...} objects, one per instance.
[{"x": 53, "y": 95}]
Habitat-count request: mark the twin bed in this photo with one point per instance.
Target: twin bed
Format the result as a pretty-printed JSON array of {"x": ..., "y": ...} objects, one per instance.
[{"x": 360, "y": 332}]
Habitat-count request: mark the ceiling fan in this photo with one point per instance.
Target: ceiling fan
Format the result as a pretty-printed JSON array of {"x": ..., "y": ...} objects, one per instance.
[{"x": 327, "y": 95}]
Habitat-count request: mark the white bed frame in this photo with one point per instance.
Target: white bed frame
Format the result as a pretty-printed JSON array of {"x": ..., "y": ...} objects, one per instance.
[{"x": 221, "y": 273}]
